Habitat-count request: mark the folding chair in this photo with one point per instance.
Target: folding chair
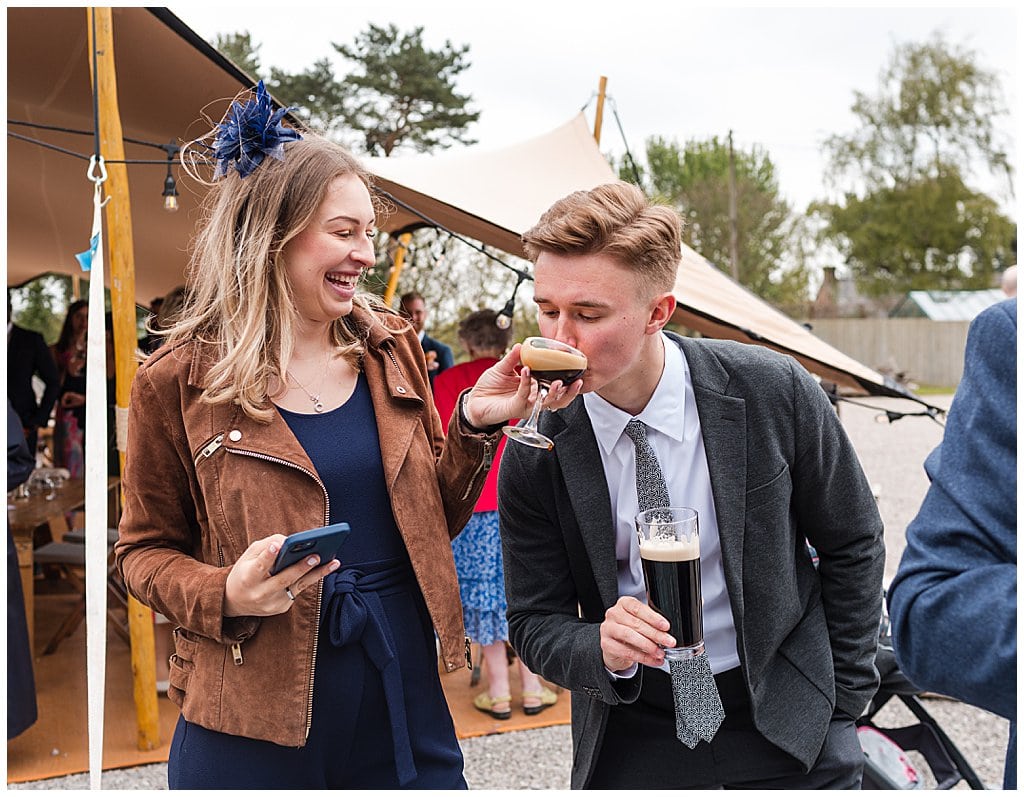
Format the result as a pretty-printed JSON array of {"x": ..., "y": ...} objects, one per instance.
[{"x": 69, "y": 557}]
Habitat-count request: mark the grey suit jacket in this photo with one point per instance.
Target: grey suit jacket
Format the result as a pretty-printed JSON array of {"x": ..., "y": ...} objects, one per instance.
[{"x": 782, "y": 472}]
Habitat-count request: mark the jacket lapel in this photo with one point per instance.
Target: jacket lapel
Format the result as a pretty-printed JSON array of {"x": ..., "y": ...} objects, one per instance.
[
  {"x": 723, "y": 429},
  {"x": 579, "y": 460}
]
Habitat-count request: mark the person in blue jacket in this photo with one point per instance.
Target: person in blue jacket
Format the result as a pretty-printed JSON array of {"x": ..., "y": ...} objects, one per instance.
[{"x": 953, "y": 602}]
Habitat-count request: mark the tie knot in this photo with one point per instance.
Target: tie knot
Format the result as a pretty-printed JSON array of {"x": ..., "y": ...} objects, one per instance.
[
  {"x": 651, "y": 491},
  {"x": 637, "y": 432}
]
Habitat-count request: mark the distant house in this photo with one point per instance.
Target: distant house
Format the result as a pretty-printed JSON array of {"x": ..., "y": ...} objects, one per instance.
[
  {"x": 916, "y": 338},
  {"x": 946, "y": 305}
]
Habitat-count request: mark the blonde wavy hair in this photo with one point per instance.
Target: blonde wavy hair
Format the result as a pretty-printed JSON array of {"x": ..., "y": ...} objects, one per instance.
[
  {"x": 239, "y": 300},
  {"x": 615, "y": 219}
]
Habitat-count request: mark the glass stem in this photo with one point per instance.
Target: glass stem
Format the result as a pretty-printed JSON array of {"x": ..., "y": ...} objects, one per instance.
[{"x": 534, "y": 418}]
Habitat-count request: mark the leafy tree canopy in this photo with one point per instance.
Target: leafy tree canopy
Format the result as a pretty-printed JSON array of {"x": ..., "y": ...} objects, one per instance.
[
  {"x": 240, "y": 50},
  {"x": 318, "y": 97},
  {"x": 935, "y": 109},
  {"x": 403, "y": 93},
  {"x": 930, "y": 233},
  {"x": 908, "y": 220},
  {"x": 399, "y": 94},
  {"x": 695, "y": 179}
]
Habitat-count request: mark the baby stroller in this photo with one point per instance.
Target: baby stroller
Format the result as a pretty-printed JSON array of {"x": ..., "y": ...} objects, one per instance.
[{"x": 886, "y": 765}]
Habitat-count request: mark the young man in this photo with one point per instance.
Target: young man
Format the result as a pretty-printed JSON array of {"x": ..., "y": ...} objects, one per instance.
[
  {"x": 439, "y": 356},
  {"x": 746, "y": 437},
  {"x": 29, "y": 356}
]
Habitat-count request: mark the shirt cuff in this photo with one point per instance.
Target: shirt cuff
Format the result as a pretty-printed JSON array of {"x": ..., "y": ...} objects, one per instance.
[{"x": 623, "y": 675}]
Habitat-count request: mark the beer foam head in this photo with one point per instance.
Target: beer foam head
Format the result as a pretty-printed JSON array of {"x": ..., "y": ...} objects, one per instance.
[
  {"x": 539, "y": 359},
  {"x": 663, "y": 549}
]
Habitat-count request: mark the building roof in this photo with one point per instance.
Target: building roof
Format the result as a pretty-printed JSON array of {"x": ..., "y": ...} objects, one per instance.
[{"x": 947, "y": 305}]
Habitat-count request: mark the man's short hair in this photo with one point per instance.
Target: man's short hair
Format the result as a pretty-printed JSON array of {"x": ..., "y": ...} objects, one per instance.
[
  {"x": 481, "y": 331},
  {"x": 614, "y": 219}
]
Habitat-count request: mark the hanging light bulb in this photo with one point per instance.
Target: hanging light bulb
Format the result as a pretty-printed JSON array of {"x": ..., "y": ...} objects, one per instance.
[
  {"x": 170, "y": 193},
  {"x": 504, "y": 319}
]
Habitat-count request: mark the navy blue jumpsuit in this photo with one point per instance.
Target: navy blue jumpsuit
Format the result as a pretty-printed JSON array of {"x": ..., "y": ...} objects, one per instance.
[{"x": 380, "y": 719}]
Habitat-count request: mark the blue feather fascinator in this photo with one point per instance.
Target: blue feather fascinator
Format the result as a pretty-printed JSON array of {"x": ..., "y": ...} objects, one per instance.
[{"x": 249, "y": 133}]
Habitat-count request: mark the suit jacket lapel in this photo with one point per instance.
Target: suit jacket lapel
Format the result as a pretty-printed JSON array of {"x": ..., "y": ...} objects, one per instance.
[
  {"x": 579, "y": 460},
  {"x": 723, "y": 428}
]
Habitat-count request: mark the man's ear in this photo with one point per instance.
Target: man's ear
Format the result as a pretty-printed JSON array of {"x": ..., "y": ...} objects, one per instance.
[{"x": 661, "y": 312}]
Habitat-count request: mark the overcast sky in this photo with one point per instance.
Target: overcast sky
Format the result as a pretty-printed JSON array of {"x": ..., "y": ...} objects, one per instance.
[{"x": 781, "y": 78}]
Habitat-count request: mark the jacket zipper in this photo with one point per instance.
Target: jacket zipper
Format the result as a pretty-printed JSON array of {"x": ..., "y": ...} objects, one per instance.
[
  {"x": 209, "y": 448},
  {"x": 483, "y": 467},
  {"x": 394, "y": 362},
  {"x": 236, "y": 649}
]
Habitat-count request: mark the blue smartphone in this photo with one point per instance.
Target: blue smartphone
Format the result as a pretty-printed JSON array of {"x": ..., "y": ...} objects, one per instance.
[{"x": 325, "y": 541}]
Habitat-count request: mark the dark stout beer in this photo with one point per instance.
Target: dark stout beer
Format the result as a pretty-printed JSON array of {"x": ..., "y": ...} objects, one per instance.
[
  {"x": 672, "y": 572},
  {"x": 550, "y": 365}
]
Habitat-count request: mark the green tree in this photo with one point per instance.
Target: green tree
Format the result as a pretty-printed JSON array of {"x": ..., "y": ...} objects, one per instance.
[
  {"x": 318, "y": 97},
  {"x": 240, "y": 50},
  {"x": 929, "y": 233},
  {"x": 907, "y": 219},
  {"x": 695, "y": 179},
  {"x": 934, "y": 110},
  {"x": 403, "y": 94},
  {"x": 41, "y": 304}
]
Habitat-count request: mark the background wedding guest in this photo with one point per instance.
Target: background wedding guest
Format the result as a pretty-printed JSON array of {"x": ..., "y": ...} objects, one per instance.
[
  {"x": 478, "y": 548},
  {"x": 21, "y": 687},
  {"x": 69, "y": 352},
  {"x": 953, "y": 602},
  {"x": 439, "y": 355},
  {"x": 28, "y": 356},
  {"x": 162, "y": 319},
  {"x": 1008, "y": 282}
]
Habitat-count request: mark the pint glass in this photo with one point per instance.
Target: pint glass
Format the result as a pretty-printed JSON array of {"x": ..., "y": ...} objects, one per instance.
[{"x": 670, "y": 554}]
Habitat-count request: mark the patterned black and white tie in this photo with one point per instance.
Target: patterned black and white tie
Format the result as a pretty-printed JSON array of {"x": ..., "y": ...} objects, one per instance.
[{"x": 699, "y": 711}]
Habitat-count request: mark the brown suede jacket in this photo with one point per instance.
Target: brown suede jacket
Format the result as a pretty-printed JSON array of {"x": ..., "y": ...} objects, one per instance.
[{"x": 202, "y": 482}]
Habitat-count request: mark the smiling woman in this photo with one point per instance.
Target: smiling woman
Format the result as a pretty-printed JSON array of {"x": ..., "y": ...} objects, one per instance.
[{"x": 286, "y": 399}]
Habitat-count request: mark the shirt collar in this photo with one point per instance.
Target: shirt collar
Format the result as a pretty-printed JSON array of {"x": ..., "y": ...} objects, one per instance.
[{"x": 664, "y": 411}]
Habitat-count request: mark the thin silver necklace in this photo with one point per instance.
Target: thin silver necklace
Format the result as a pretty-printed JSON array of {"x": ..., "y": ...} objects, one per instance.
[{"x": 318, "y": 405}]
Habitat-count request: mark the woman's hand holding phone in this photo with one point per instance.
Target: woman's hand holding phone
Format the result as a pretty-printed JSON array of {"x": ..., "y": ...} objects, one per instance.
[{"x": 252, "y": 591}]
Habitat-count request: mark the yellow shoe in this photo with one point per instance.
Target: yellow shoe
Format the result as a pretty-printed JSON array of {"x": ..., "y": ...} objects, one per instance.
[
  {"x": 485, "y": 703},
  {"x": 546, "y": 697}
]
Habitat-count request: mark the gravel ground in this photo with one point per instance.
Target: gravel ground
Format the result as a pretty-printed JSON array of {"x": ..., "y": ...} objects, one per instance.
[{"x": 892, "y": 457}]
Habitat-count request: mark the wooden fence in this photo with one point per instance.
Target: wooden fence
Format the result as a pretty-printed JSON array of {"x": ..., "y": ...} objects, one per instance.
[{"x": 927, "y": 352}]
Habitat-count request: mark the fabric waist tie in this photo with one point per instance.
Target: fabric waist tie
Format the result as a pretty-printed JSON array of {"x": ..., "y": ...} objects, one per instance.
[{"x": 354, "y": 613}]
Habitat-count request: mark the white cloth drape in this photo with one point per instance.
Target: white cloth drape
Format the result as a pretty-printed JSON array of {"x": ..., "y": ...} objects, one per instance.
[{"x": 96, "y": 492}]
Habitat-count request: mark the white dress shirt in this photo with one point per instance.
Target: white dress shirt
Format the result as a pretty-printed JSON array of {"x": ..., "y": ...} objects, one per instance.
[{"x": 674, "y": 433}]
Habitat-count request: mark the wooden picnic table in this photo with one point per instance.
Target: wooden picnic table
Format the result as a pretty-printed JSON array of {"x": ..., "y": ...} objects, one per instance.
[{"x": 25, "y": 515}]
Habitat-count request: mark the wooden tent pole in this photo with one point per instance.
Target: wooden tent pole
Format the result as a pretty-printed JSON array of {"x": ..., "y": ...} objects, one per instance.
[
  {"x": 122, "y": 300},
  {"x": 599, "y": 114},
  {"x": 396, "y": 270}
]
